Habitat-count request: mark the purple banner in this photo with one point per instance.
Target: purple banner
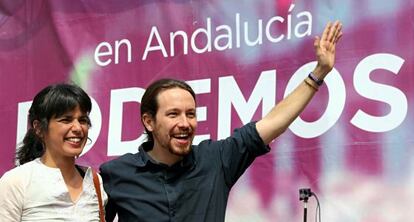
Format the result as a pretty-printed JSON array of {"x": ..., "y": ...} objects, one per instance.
[{"x": 352, "y": 145}]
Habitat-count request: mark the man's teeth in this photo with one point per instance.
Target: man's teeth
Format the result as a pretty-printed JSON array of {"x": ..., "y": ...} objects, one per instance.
[{"x": 181, "y": 135}]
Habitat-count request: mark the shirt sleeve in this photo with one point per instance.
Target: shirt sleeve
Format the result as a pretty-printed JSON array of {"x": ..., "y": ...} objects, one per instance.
[
  {"x": 11, "y": 197},
  {"x": 110, "y": 207},
  {"x": 238, "y": 151}
]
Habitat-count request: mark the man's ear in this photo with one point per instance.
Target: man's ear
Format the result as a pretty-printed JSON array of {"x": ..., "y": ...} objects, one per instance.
[{"x": 148, "y": 121}]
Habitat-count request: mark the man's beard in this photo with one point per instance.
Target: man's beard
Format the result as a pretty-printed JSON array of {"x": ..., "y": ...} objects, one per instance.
[{"x": 180, "y": 151}]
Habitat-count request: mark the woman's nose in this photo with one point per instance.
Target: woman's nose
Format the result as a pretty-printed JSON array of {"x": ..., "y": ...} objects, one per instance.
[{"x": 76, "y": 126}]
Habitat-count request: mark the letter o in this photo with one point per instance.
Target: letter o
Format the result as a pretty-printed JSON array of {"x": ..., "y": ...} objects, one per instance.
[{"x": 335, "y": 106}]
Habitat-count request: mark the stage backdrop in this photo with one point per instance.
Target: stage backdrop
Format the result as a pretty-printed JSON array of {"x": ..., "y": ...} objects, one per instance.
[{"x": 352, "y": 145}]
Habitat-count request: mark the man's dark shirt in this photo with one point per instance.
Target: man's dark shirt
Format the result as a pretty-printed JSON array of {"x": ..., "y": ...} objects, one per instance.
[{"x": 194, "y": 189}]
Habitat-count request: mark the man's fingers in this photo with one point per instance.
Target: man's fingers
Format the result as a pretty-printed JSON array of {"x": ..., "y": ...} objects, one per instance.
[
  {"x": 337, "y": 31},
  {"x": 333, "y": 32},
  {"x": 338, "y": 37},
  {"x": 326, "y": 31},
  {"x": 339, "y": 34},
  {"x": 331, "y": 35},
  {"x": 316, "y": 42}
]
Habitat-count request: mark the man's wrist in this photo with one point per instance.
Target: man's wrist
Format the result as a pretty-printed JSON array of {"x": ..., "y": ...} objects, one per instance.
[
  {"x": 315, "y": 79},
  {"x": 321, "y": 71},
  {"x": 311, "y": 84}
]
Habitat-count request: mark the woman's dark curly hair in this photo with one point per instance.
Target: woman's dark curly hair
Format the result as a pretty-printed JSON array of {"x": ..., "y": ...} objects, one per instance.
[{"x": 51, "y": 102}]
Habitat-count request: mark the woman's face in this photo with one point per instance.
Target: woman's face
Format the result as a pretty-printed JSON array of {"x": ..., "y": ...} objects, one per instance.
[{"x": 67, "y": 134}]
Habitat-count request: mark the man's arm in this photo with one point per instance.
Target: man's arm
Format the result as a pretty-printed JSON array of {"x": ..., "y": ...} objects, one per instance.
[
  {"x": 286, "y": 111},
  {"x": 110, "y": 207},
  {"x": 110, "y": 210}
]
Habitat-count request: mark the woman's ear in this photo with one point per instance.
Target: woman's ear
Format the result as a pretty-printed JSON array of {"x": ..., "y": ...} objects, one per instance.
[
  {"x": 148, "y": 121},
  {"x": 36, "y": 127}
]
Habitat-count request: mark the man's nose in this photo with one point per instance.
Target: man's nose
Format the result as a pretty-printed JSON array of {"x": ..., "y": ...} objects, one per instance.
[{"x": 183, "y": 122}]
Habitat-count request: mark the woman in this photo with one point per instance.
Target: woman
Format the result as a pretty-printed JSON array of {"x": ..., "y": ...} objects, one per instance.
[{"x": 48, "y": 185}]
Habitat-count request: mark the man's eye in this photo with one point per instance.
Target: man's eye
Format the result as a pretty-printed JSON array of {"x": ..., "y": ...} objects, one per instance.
[
  {"x": 172, "y": 114},
  {"x": 191, "y": 115}
]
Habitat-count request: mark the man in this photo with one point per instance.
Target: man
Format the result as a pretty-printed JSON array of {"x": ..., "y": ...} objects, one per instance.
[{"x": 171, "y": 180}]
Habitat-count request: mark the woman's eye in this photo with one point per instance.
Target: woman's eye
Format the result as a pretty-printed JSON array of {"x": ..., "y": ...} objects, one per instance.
[
  {"x": 64, "y": 120},
  {"x": 83, "y": 121}
]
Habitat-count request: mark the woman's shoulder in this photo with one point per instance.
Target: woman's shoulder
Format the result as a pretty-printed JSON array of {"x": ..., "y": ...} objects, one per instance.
[{"x": 19, "y": 174}]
